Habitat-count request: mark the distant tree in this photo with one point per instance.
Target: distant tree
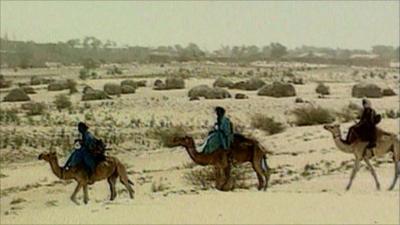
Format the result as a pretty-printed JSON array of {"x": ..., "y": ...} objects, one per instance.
[
  {"x": 73, "y": 42},
  {"x": 386, "y": 52},
  {"x": 277, "y": 50}
]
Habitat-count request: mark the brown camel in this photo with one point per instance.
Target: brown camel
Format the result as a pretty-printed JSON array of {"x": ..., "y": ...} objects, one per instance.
[
  {"x": 386, "y": 142},
  {"x": 111, "y": 168},
  {"x": 243, "y": 150}
]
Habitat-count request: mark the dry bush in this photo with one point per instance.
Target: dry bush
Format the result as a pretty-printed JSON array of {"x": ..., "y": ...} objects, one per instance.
[
  {"x": 277, "y": 89},
  {"x": 62, "y": 101},
  {"x": 267, "y": 124},
  {"x": 131, "y": 83},
  {"x": 205, "y": 177},
  {"x": 112, "y": 89},
  {"x": 312, "y": 115},
  {"x": 4, "y": 83},
  {"x": 241, "y": 96},
  {"x": 34, "y": 108},
  {"x": 58, "y": 85},
  {"x": 322, "y": 89},
  {"x": 208, "y": 92},
  {"x": 388, "y": 92},
  {"x": 16, "y": 95},
  {"x": 92, "y": 94},
  {"x": 72, "y": 86},
  {"x": 28, "y": 90},
  {"x": 250, "y": 85},
  {"x": 366, "y": 90},
  {"x": 223, "y": 82},
  {"x": 9, "y": 116},
  {"x": 174, "y": 83},
  {"x": 349, "y": 113},
  {"x": 127, "y": 89},
  {"x": 166, "y": 135}
]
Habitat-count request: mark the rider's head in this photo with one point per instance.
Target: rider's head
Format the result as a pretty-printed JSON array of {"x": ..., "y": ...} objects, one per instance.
[
  {"x": 82, "y": 127},
  {"x": 366, "y": 103},
  {"x": 220, "y": 111}
]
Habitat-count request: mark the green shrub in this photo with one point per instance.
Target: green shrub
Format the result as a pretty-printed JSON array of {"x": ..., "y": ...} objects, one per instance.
[
  {"x": 34, "y": 108},
  {"x": 267, "y": 124},
  {"x": 9, "y": 116},
  {"x": 311, "y": 115},
  {"x": 84, "y": 74},
  {"x": 16, "y": 95},
  {"x": 62, "y": 101},
  {"x": 112, "y": 89}
]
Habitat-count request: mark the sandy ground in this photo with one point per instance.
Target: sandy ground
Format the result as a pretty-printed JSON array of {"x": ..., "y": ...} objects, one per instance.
[{"x": 31, "y": 194}]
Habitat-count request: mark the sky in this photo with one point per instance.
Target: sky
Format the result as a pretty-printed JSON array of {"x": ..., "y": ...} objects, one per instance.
[{"x": 210, "y": 24}]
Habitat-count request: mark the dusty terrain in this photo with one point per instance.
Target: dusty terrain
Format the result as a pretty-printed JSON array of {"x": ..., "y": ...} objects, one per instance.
[{"x": 307, "y": 186}]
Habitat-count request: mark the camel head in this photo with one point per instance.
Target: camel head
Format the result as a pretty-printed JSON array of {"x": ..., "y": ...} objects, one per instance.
[
  {"x": 47, "y": 156},
  {"x": 333, "y": 128},
  {"x": 185, "y": 141}
]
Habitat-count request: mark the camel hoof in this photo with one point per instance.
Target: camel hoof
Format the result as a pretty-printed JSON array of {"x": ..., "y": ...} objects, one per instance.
[{"x": 75, "y": 201}]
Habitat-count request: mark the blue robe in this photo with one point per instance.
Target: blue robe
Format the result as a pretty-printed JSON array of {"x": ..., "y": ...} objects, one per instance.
[
  {"x": 219, "y": 138},
  {"x": 82, "y": 155}
]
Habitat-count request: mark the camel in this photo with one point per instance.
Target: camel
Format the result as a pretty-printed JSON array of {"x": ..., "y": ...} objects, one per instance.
[
  {"x": 386, "y": 142},
  {"x": 243, "y": 150},
  {"x": 111, "y": 168}
]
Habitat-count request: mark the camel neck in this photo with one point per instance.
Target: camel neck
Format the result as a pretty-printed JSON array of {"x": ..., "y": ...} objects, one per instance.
[
  {"x": 197, "y": 157},
  {"x": 57, "y": 170},
  {"x": 341, "y": 145}
]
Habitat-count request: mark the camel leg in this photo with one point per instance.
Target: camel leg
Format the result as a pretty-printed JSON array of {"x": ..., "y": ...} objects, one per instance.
[
  {"x": 125, "y": 181},
  {"x": 111, "y": 182},
  {"x": 353, "y": 173},
  {"x": 371, "y": 169},
  {"x": 257, "y": 168},
  {"x": 396, "y": 174},
  {"x": 218, "y": 181},
  {"x": 73, "y": 196},
  {"x": 266, "y": 172},
  {"x": 85, "y": 194},
  {"x": 227, "y": 185}
]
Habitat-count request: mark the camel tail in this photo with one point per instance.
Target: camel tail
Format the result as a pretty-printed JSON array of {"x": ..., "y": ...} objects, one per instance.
[{"x": 264, "y": 164}]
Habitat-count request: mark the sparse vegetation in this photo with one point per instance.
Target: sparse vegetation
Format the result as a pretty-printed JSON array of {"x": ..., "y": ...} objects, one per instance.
[
  {"x": 166, "y": 135},
  {"x": 366, "y": 90},
  {"x": 277, "y": 89},
  {"x": 208, "y": 92},
  {"x": 267, "y": 124},
  {"x": 62, "y": 101},
  {"x": 322, "y": 89},
  {"x": 112, "y": 89},
  {"x": 16, "y": 95},
  {"x": 312, "y": 115},
  {"x": 223, "y": 82}
]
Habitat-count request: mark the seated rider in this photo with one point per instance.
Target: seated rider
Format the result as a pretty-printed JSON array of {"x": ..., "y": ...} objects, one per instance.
[
  {"x": 222, "y": 134},
  {"x": 83, "y": 154},
  {"x": 365, "y": 129}
]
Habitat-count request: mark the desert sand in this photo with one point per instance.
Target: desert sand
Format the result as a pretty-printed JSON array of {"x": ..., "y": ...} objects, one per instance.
[{"x": 309, "y": 173}]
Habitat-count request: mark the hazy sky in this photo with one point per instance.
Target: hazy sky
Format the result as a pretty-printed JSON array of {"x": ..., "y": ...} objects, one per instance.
[{"x": 342, "y": 24}]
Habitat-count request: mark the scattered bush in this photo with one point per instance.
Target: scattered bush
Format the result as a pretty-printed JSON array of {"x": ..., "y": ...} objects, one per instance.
[
  {"x": 112, "y": 89},
  {"x": 311, "y": 115},
  {"x": 84, "y": 74},
  {"x": 349, "y": 113},
  {"x": 208, "y": 92},
  {"x": 241, "y": 96},
  {"x": 58, "y": 85},
  {"x": 299, "y": 100},
  {"x": 249, "y": 85},
  {"x": 298, "y": 80},
  {"x": 223, "y": 82},
  {"x": 72, "y": 86},
  {"x": 34, "y": 108},
  {"x": 267, "y": 124},
  {"x": 28, "y": 90},
  {"x": 62, "y": 101},
  {"x": 91, "y": 94},
  {"x": 127, "y": 89},
  {"x": 4, "y": 83},
  {"x": 9, "y": 116},
  {"x": 388, "y": 92},
  {"x": 366, "y": 90},
  {"x": 322, "y": 89},
  {"x": 16, "y": 95},
  {"x": 35, "y": 80},
  {"x": 131, "y": 83},
  {"x": 174, "y": 83},
  {"x": 277, "y": 89},
  {"x": 166, "y": 135}
]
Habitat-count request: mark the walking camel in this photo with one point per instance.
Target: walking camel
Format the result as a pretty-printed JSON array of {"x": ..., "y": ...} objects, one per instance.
[
  {"x": 243, "y": 150},
  {"x": 111, "y": 168},
  {"x": 386, "y": 142}
]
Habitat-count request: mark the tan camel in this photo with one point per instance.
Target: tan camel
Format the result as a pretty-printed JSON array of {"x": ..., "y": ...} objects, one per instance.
[
  {"x": 386, "y": 142},
  {"x": 109, "y": 169},
  {"x": 243, "y": 150}
]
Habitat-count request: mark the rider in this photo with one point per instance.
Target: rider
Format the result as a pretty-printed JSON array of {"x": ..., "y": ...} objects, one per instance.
[
  {"x": 82, "y": 154},
  {"x": 222, "y": 134},
  {"x": 365, "y": 129}
]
